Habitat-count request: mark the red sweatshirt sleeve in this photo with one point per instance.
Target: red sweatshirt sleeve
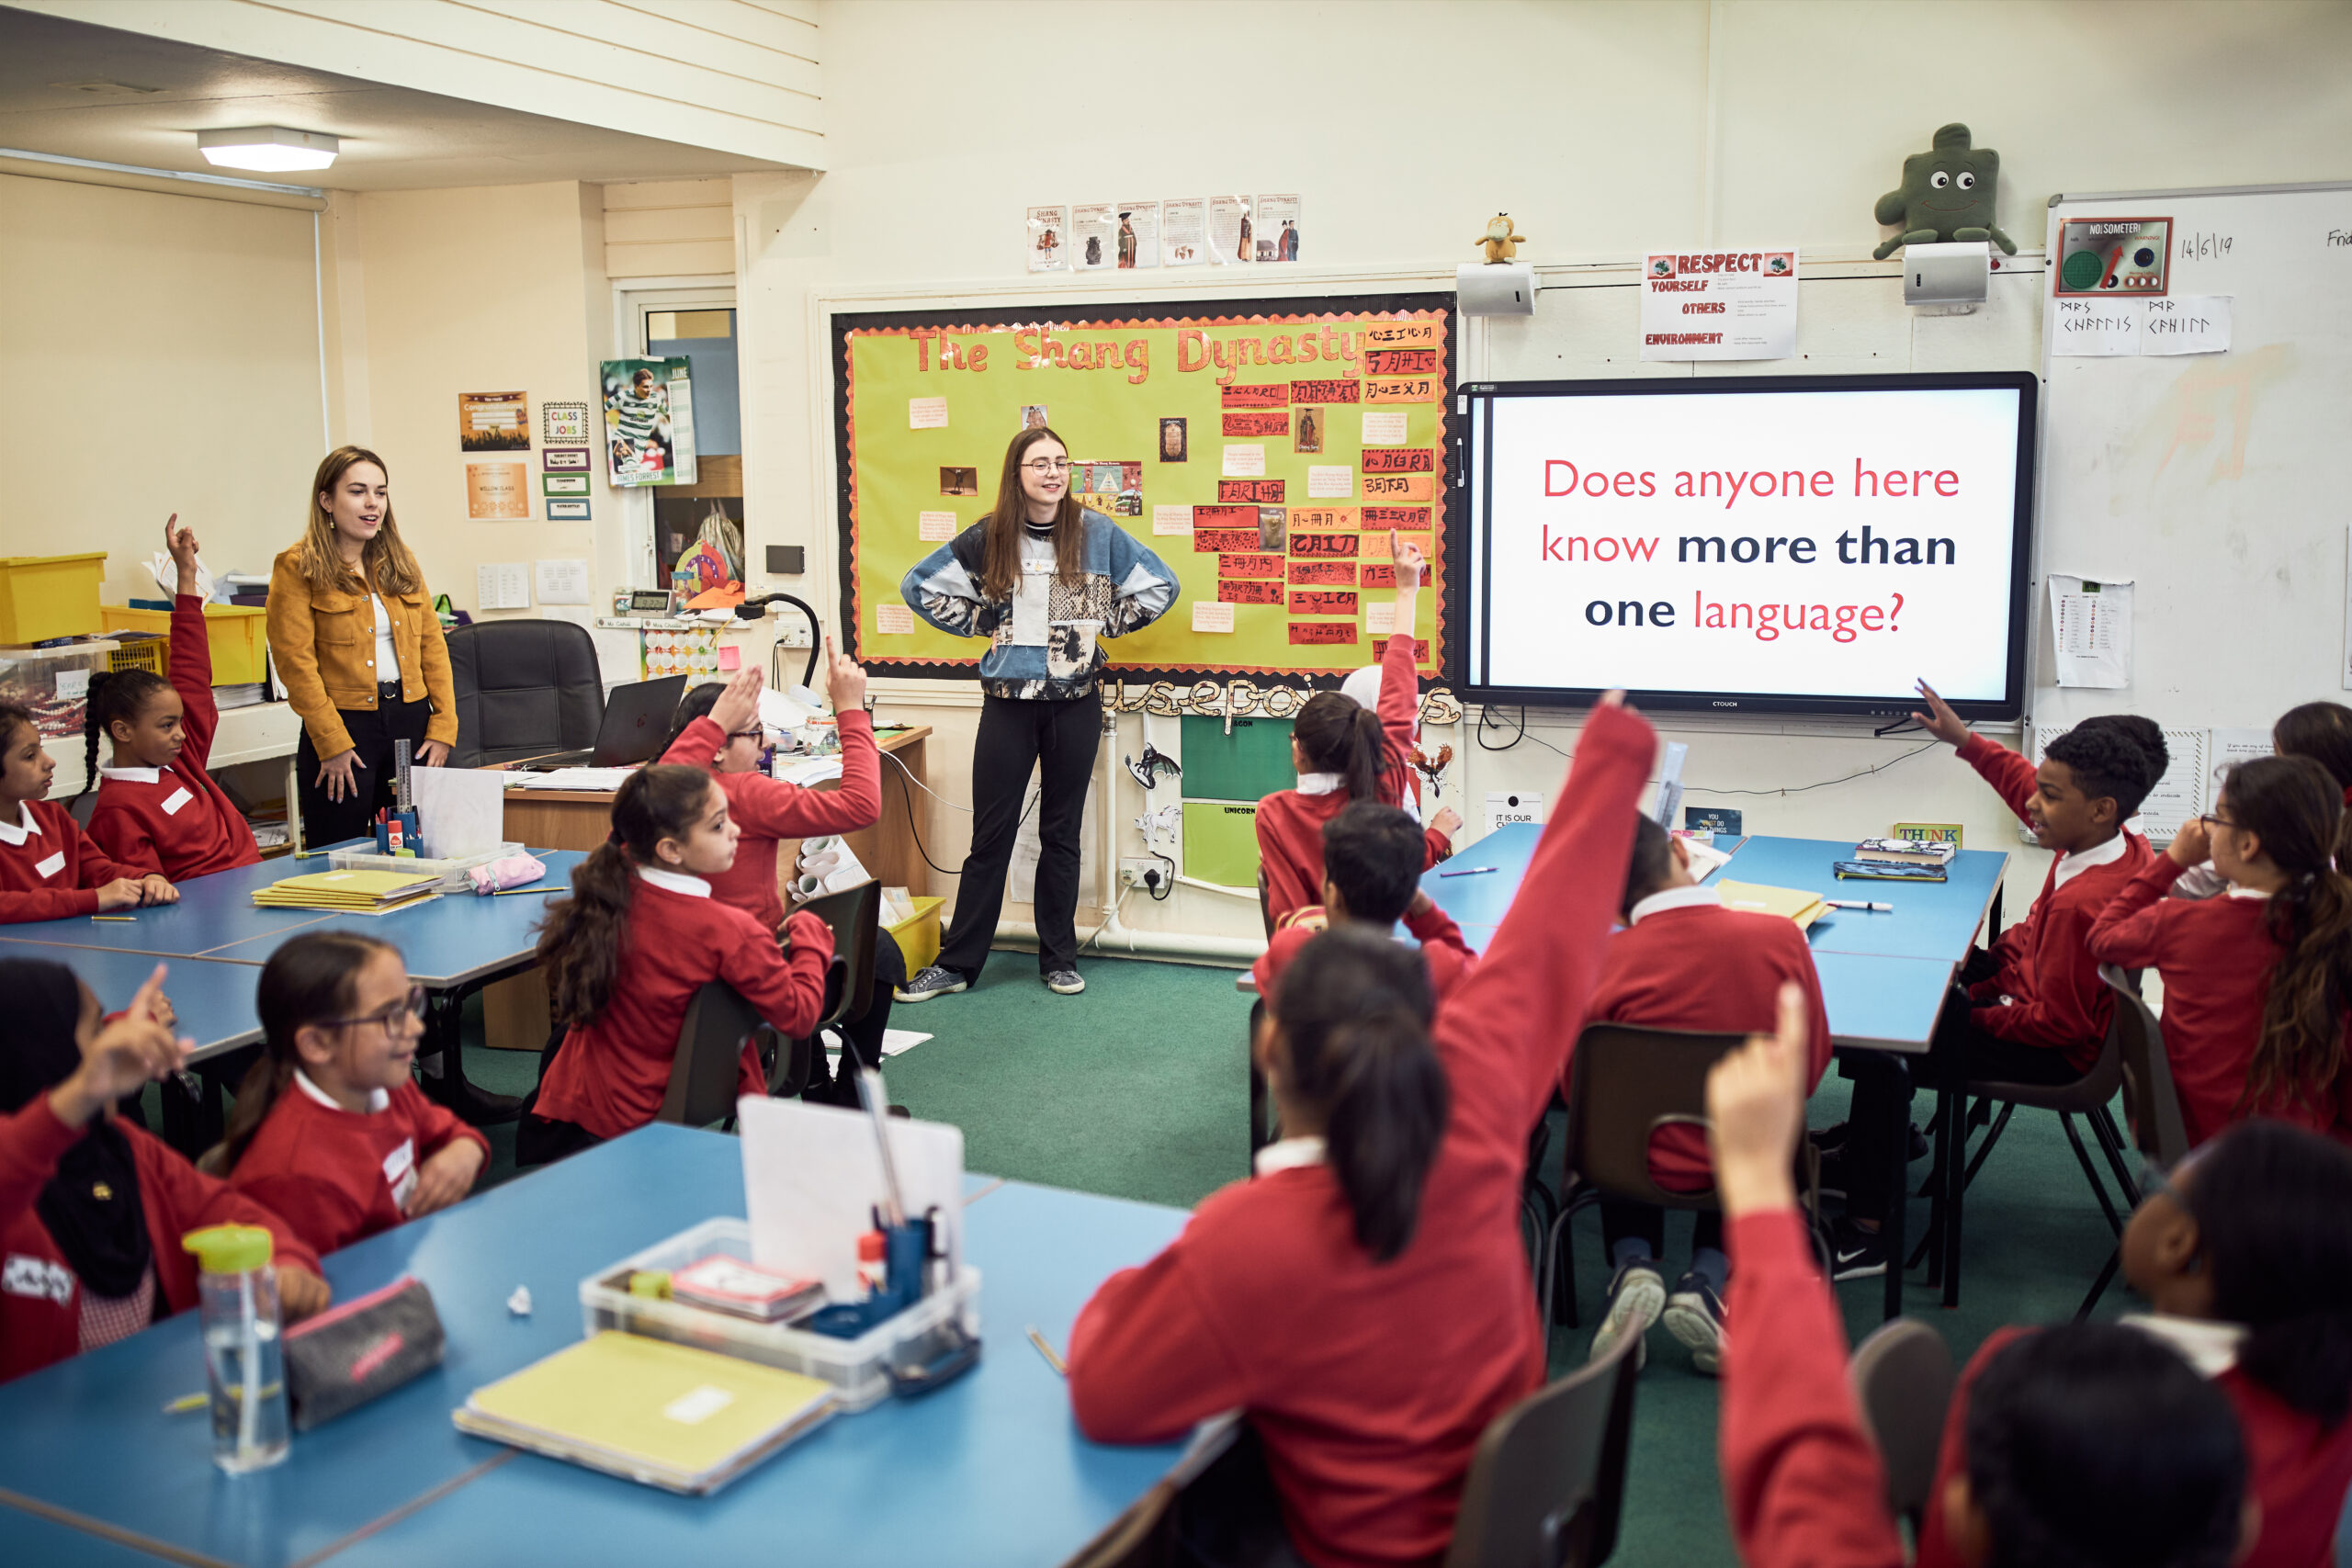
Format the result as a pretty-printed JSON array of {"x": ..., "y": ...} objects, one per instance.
[
  {"x": 319, "y": 1212},
  {"x": 786, "y": 987},
  {"x": 192, "y": 677},
  {"x": 123, "y": 834},
  {"x": 1801, "y": 1478},
  {"x": 1145, "y": 1361},
  {"x": 1400, "y": 697},
  {"x": 49, "y": 903},
  {"x": 1500, "y": 1033},
  {"x": 770, "y": 809},
  {"x": 2011, "y": 776},
  {"x": 1433, "y": 927},
  {"x": 1435, "y": 847},
  {"x": 32, "y": 1140},
  {"x": 194, "y": 1200},
  {"x": 2061, "y": 1013},
  {"x": 2131, "y": 930},
  {"x": 438, "y": 1127}
]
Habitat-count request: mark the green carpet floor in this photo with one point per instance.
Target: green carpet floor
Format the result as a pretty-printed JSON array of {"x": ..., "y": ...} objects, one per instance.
[{"x": 1137, "y": 1089}]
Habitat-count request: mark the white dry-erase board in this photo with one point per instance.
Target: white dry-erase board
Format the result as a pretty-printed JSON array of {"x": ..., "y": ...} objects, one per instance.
[{"x": 2215, "y": 482}]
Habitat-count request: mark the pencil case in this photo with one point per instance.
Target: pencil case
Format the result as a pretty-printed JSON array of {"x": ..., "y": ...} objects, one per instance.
[
  {"x": 514, "y": 871},
  {"x": 368, "y": 1347}
]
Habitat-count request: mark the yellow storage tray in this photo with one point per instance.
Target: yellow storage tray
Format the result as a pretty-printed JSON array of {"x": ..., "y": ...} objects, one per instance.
[
  {"x": 239, "y": 633},
  {"x": 50, "y": 596}
]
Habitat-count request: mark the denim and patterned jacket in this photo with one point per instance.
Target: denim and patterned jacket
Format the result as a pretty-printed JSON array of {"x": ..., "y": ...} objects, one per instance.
[{"x": 1043, "y": 638}]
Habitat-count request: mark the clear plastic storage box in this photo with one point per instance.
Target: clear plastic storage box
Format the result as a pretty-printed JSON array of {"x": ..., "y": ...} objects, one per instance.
[
  {"x": 54, "y": 682},
  {"x": 859, "y": 1369},
  {"x": 451, "y": 872}
]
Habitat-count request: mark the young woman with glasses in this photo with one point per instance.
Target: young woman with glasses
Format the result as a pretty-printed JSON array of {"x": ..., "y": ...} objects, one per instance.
[
  {"x": 329, "y": 1130},
  {"x": 1044, "y": 579}
]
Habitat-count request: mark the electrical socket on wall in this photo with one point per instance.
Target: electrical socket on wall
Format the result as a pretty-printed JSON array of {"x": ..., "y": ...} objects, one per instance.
[{"x": 1141, "y": 870}]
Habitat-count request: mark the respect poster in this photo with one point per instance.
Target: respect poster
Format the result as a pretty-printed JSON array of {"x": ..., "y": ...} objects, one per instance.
[{"x": 1263, "y": 452}]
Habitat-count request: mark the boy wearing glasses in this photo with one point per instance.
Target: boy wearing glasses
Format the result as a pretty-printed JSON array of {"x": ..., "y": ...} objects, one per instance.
[{"x": 329, "y": 1131}]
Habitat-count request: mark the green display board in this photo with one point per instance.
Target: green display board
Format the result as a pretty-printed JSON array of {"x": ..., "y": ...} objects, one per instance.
[
  {"x": 1221, "y": 842},
  {"x": 1263, "y": 450},
  {"x": 1248, "y": 765}
]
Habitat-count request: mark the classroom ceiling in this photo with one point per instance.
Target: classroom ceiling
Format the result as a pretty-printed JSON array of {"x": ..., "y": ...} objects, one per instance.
[{"x": 80, "y": 91}]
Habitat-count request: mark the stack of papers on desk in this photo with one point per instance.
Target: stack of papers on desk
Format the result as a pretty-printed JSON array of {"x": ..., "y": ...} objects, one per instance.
[
  {"x": 1798, "y": 905},
  {"x": 571, "y": 778},
  {"x": 350, "y": 892},
  {"x": 670, "y": 1415},
  {"x": 809, "y": 774}
]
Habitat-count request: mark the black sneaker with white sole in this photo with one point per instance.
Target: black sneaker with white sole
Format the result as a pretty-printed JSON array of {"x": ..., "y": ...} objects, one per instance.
[
  {"x": 1855, "y": 1253},
  {"x": 932, "y": 982},
  {"x": 1694, "y": 1314}
]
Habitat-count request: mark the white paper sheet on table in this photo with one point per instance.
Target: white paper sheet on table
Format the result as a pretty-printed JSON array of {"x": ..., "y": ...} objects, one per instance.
[
  {"x": 459, "y": 811},
  {"x": 812, "y": 1174},
  {"x": 569, "y": 778}
]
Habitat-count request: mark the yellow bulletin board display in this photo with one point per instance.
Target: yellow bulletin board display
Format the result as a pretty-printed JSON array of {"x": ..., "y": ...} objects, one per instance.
[{"x": 1263, "y": 450}]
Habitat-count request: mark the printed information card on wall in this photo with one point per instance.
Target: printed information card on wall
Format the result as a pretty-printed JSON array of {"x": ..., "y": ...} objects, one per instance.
[
  {"x": 502, "y": 585},
  {"x": 1719, "y": 305},
  {"x": 2093, "y": 621}
]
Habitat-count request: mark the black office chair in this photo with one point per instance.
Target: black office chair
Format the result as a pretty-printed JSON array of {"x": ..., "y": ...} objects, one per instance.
[
  {"x": 1547, "y": 1477},
  {"x": 524, "y": 689}
]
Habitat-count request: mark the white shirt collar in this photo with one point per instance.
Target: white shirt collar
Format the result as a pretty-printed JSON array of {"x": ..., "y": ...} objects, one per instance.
[
  {"x": 13, "y": 833},
  {"x": 2212, "y": 1347},
  {"x": 1321, "y": 783},
  {"x": 1689, "y": 895},
  {"x": 378, "y": 1099},
  {"x": 2237, "y": 892},
  {"x": 1288, "y": 1153},
  {"x": 676, "y": 881},
  {"x": 2073, "y": 865},
  {"x": 133, "y": 775}
]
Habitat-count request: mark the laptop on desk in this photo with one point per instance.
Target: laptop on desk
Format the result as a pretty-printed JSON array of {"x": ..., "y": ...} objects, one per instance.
[{"x": 637, "y": 720}]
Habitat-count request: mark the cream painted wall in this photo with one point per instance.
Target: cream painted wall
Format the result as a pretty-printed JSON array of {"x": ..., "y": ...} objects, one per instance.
[
  {"x": 1602, "y": 128},
  {"x": 166, "y": 351}
]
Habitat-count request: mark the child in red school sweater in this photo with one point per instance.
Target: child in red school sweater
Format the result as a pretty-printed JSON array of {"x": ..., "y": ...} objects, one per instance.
[
  {"x": 1684, "y": 961},
  {"x": 48, "y": 868},
  {"x": 1345, "y": 752},
  {"x": 92, "y": 1209},
  {"x": 2091, "y": 1445},
  {"x": 330, "y": 1129},
  {"x": 158, "y": 810},
  {"x": 1365, "y": 1301},
  {"x": 717, "y": 729},
  {"x": 625, "y": 954},
  {"x": 2246, "y": 1258},
  {"x": 1371, "y": 870},
  {"x": 2032, "y": 1007},
  {"x": 2257, "y": 981}
]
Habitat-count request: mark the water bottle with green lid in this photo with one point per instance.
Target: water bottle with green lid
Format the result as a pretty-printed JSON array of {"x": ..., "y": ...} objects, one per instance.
[{"x": 243, "y": 1361}]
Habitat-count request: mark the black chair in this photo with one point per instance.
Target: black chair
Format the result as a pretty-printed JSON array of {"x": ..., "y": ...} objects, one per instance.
[
  {"x": 1902, "y": 1376},
  {"x": 703, "y": 1074},
  {"x": 1625, "y": 1084},
  {"x": 2151, "y": 1103},
  {"x": 524, "y": 689},
  {"x": 1547, "y": 1477},
  {"x": 2087, "y": 1096},
  {"x": 854, "y": 915}
]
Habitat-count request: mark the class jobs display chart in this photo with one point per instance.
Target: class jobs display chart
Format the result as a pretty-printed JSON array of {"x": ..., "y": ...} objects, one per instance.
[
  {"x": 1834, "y": 543},
  {"x": 1263, "y": 450}
]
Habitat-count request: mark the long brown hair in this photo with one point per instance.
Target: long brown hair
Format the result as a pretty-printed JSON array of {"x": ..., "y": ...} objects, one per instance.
[
  {"x": 386, "y": 565},
  {"x": 583, "y": 938},
  {"x": 313, "y": 978},
  {"x": 1000, "y": 561},
  {"x": 1339, "y": 735},
  {"x": 2295, "y": 808},
  {"x": 2322, "y": 731}
]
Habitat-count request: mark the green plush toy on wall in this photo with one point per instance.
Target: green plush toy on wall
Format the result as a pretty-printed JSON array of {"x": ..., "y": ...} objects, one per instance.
[{"x": 1947, "y": 194}]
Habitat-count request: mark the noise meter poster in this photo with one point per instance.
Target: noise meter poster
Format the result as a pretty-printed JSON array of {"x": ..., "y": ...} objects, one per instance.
[{"x": 1832, "y": 543}]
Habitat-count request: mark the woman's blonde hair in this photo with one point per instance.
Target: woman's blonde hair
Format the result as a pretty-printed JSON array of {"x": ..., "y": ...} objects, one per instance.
[{"x": 388, "y": 566}]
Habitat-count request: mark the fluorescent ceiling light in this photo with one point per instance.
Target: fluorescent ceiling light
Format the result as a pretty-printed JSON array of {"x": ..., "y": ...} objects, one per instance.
[{"x": 270, "y": 148}]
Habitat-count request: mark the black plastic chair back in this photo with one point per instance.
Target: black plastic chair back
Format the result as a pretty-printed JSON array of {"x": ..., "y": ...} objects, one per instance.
[
  {"x": 1902, "y": 1376},
  {"x": 856, "y": 915},
  {"x": 1547, "y": 1477},
  {"x": 1627, "y": 1082},
  {"x": 2151, "y": 1103},
  {"x": 703, "y": 1074}
]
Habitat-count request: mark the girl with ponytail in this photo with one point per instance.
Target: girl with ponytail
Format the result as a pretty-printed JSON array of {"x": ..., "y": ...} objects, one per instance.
[
  {"x": 1344, "y": 752},
  {"x": 158, "y": 809},
  {"x": 2257, "y": 982},
  {"x": 330, "y": 1128},
  {"x": 1366, "y": 1300},
  {"x": 625, "y": 954}
]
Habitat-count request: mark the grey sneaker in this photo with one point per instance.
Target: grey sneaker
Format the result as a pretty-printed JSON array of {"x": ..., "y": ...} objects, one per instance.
[
  {"x": 1637, "y": 1297},
  {"x": 1694, "y": 1314},
  {"x": 1065, "y": 982},
  {"x": 932, "y": 982}
]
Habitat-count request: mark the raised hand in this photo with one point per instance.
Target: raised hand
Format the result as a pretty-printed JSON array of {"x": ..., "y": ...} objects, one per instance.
[
  {"x": 1940, "y": 720},
  {"x": 180, "y": 544},
  {"x": 738, "y": 704},
  {"x": 128, "y": 1054},
  {"x": 844, "y": 680},
  {"x": 1412, "y": 564}
]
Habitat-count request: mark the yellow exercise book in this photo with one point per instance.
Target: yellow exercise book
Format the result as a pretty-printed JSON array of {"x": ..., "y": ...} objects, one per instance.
[
  {"x": 360, "y": 892},
  {"x": 670, "y": 1415},
  {"x": 1795, "y": 903}
]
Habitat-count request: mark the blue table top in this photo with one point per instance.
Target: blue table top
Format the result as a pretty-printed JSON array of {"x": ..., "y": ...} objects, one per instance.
[
  {"x": 1931, "y": 919},
  {"x": 214, "y": 915},
  {"x": 214, "y": 1000},
  {"x": 994, "y": 1461},
  {"x": 461, "y": 936},
  {"x": 1887, "y": 1004}
]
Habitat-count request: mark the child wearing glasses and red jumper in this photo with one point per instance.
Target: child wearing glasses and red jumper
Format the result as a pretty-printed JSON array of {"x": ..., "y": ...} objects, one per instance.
[
  {"x": 2257, "y": 980},
  {"x": 329, "y": 1130}
]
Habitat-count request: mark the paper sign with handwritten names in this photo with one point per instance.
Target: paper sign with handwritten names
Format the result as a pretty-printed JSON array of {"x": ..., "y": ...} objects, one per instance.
[
  {"x": 1233, "y": 592},
  {"x": 1330, "y": 482},
  {"x": 1245, "y": 462},
  {"x": 1318, "y": 632},
  {"x": 1211, "y": 617},
  {"x": 2097, "y": 328},
  {"x": 1313, "y": 517},
  {"x": 926, "y": 413},
  {"x": 1396, "y": 486},
  {"x": 936, "y": 526},
  {"x": 2195, "y": 323}
]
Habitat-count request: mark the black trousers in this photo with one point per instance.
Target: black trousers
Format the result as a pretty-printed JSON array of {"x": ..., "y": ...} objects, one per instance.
[
  {"x": 328, "y": 821},
  {"x": 1624, "y": 1218},
  {"x": 1058, "y": 740},
  {"x": 1877, "y": 1127}
]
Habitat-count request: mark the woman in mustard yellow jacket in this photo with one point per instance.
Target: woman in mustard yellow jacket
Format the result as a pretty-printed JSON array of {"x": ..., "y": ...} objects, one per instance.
[{"x": 354, "y": 640}]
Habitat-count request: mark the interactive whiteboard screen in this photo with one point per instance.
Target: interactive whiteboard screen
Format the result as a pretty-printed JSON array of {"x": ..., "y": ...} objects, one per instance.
[{"x": 1805, "y": 544}]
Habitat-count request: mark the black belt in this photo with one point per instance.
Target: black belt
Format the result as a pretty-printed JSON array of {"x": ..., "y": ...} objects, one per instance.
[{"x": 388, "y": 690}]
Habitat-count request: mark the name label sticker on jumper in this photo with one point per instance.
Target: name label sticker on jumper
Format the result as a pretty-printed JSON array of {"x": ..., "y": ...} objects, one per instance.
[
  {"x": 176, "y": 799},
  {"x": 38, "y": 1278},
  {"x": 52, "y": 865},
  {"x": 693, "y": 1408},
  {"x": 400, "y": 1171}
]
